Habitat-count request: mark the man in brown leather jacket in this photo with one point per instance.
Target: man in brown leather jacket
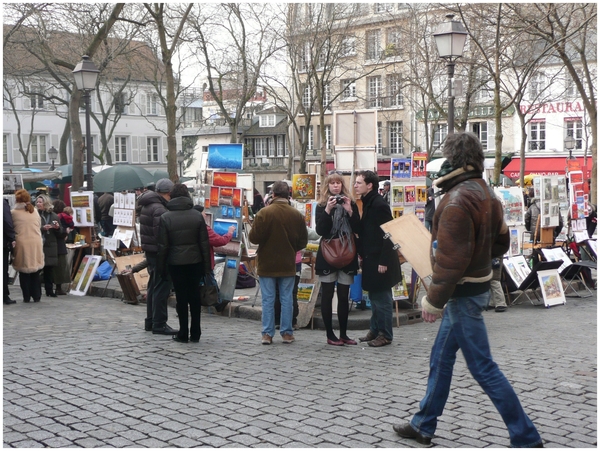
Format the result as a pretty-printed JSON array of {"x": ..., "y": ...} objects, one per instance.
[{"x": 468, "y": 231}]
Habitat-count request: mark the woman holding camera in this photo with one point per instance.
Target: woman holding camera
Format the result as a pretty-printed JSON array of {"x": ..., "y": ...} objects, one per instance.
[
  {"x": 51, "y": 233},
  {"x": 336, "y": 216}
]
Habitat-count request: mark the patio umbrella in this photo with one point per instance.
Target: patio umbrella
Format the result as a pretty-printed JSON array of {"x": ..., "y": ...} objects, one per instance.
[
  {"x": 158, "y": 174},
  {"x": 435, "y": 165},
  {"x": 121, "y": 178},
  {"x": 100, "y": 168},
  {"x": 34, "y": 174}
]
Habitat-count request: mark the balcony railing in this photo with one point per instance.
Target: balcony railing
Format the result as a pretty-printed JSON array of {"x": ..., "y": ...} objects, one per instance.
[{"x": 265, "y": 162}]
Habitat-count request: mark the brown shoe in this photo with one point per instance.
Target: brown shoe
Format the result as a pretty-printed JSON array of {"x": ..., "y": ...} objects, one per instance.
[
  {"x": 267, "y": 339},
  {"x": 370, "y": 336},
  {"x": 288, "y": 338},
  {"x": 379, "y": 341}
]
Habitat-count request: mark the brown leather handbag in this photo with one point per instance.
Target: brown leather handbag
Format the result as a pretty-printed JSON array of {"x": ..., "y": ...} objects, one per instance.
[{"x": 338, "y": 253}]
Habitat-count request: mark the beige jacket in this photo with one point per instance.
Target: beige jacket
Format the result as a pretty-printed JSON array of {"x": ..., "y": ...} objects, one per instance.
[{"x": 29, "y": 253}]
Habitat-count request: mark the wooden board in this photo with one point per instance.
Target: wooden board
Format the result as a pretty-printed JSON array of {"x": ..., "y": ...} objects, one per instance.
[
  {"x": 306, "y": 308},
  {"x": 142, "y": 277},
  {"x": 414, "y": 240}
]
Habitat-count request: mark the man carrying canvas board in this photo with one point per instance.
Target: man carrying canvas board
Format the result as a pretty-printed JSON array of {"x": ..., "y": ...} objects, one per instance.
[{"x": 468, "y": 231}]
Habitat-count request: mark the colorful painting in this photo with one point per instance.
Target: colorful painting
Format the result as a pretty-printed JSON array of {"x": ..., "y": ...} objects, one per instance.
[
  {"x": 304, "y": 186},
  {"x": 85, "y": 274},
  {"x": 419, "y": 163},
  {"x": 551, "y": 287},
  {"x": 397, "y": 195},
  {"x": 225, "y": 156},
  {"x": 237, "y": 197},
  {"x": 512, "y": 202},
  {"x": 420, "y": 213},
  {"x": 214, "y": 196},
  {"x": 308, "y": 214},
  {"x": 409, "y": 194},
  {"x": 422, "y": 194},
  {"x": 305, "y": 291},
  {"x": 514, "y": 242},
  {"x": 225, "y": 179},
  {"x": 221, "y": 226},
  {"x": 400, "y": 169},
  {"x": 397, "y": 212}
]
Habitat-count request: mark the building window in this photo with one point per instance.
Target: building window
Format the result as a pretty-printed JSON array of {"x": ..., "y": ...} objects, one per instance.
[
  {"x": 328, "y": 137},
  {"x": 349, "y": 89},
  {"x": 394, "y": 90},
  {"x": 38, "y": 149},
  {"x": 348, "y": 47},
  {"x": 121, "y": 104},
  {"x": 36, "y": 99},
  {"x": 120, "y": 149},
  {"x": 481, "y": 130},
  {"x": 260, "y": 147},
  {"x": 5, "y": 149},
  {"x": 379, "y": 138},
  {"x": 310, "y": 141},
  {"x": 267, "y": 120},
  {"x": 280, "y": 146},
  {"x": 152, "y": 149},
  {"x": 152, "y": 104},
  {"x": 306, "y": 98},
  {"x": 575, "y": 129},
  {"x": 373, "y": 44},
  {"x": 536, "y": 85},
  {"x": 537, "y": 135},
  {"x": 392, "y": 45},
  {"x": 326, "y": 96},
  {"x": 395, "y": 129},
  {"x": 440, "y": 131},
  {"x": 302, "y": 59},
  {"x": 374, "y": 92},
  {"x": 381, "y": 8}
]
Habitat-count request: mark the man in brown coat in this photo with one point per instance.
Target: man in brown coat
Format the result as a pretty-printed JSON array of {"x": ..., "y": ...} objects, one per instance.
[{"x": 280, "y": 232}]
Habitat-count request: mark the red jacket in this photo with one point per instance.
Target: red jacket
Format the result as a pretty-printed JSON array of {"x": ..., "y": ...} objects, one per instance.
[{"x": 216, "y": 240}]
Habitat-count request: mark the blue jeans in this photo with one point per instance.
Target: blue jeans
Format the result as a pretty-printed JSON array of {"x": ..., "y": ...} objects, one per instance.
[
  {"x": 286, "y": 288},
  {"x": 382, "y": 314},
  {"x": 463, "y": 327}
]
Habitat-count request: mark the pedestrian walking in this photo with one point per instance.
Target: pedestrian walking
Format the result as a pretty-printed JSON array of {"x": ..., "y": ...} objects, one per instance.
[
  {"x": 153, "y": 205},
  {"x": 337, "y": 216},
  {"x": 28, "y": 250},
  {"x": 468, "y": 231},
  {"x": 52, "y": 232},
  {"x": 280, "y": 232},
  {"x": 9, "y": 242},
  {"x": 183, "y": 252},
  {"x": 380, "y": 262}
]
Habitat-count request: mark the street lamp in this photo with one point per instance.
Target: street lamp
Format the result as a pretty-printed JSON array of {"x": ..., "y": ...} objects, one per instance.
[
  {"x": 450, "y": 40},
  {"x": 570, "y": 145},
  {"x": 180, "y": 158},
  {"x": 86, "y": 76},
  {"x": 53, "y": 155}
]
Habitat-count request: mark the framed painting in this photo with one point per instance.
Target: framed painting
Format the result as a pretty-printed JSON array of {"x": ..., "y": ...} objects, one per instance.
[
  {"x": 214, "y": 196},
  {"x": 551, "y": 287},
  {"x": 225, "y": 156},
  {"x": 304, "y": 186},
  {"x": 397, "y": 195},
  {"x": 237, "y": 197},
  {"x": 400, "y": 169},
  {"x": 85, "y": 275},
  {"x": 12, "y": 182},
  {"x": 225, "y": 179},
  {"x": 221, "y": 226}
]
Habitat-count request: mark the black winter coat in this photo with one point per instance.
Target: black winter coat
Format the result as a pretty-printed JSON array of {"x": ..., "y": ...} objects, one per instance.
[
  {"x": 153, "y": 207},
  {"x": 182, "y": 237},
  {"x": 51, "y": 238},
  {"x": 373, "y": 248},
  {"x": 324, "y": 223}
]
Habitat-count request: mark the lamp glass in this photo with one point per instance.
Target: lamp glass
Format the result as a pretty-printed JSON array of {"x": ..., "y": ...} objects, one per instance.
[
  {"x": 450, "y": 39},
  {"x": 52, "y": 153},
  {"x": 569, "y": 142},
  {"x": 86, "y": 74},
  {"x": 180, "y": 157}
]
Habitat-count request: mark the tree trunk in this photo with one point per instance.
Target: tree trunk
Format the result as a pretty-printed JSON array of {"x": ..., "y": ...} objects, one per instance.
[
  {"x": 499, "y": 136},
  {"x": 170, "y": 112}
]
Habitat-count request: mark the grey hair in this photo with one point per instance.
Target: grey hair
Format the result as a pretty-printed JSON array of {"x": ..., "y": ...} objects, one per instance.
[{"x": 464, "y": 149}]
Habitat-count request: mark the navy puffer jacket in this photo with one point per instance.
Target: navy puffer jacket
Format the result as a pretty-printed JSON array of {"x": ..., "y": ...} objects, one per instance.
[
  {"x": 153, "y": 207},
  {"x": 182, "y": 237}
]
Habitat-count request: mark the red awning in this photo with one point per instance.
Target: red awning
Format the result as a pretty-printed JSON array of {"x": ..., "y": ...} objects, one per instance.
[
  {"x": 383, "y": 168},
  {"x": 543, "y": 166}
]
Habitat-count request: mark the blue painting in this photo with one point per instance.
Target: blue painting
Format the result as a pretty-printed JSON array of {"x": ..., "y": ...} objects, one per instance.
[
  {"x": 225, "y": 156},
  {"x": 221, "y": 226}
]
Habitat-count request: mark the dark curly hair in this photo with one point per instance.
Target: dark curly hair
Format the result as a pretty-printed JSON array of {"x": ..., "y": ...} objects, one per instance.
[
  {"x": 179, "y": 190},
  {"x": 464, "y": 149}
]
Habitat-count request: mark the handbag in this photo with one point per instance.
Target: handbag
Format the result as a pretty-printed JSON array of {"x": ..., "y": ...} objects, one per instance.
[
  {"x": 209, "y": 290},
  {"x": 338, "y": 253}
]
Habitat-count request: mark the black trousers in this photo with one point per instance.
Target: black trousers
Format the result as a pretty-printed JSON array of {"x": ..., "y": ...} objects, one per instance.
[
  {"x": 6, "y": 253},
  {"x": 48, "y": 279},
  {"x": 31, "y": 286},
  {"x": 157, "y": 296},
  {"x": 186, "y": 281}
]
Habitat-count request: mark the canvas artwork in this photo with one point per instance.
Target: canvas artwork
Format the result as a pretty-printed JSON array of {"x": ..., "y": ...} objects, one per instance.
[
  {"x": 419, "y": 161},
  {"x": 397, "y": 212},
  {"x": 214, "y": 196},
  {"x": 513, "y": 272},
  {"x": 514, "y": 242},
  {"x": 225, "y": 156},
  {"x": 304, "y": 186},
  {"x": 12, "y": 182},
  {"x": 421, "y": 194},
  {"x": 85, "y": 275},
  {"x": 400, "y": 169},
  {"x": 237, "y": 197},
  {"x": 409, "y": 194},
  {"x": 420, "y": 213},
  {"x": 551, "y": 287},
  {"x": 225, "y": 179},
  {"x": 512, "y": 202},
  {"x": 397, "y": 195},
  {"x": 221, "y": 226}
]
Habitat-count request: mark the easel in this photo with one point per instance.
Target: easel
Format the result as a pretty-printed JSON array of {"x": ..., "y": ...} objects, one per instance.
[{"x": 86, "y": 232}]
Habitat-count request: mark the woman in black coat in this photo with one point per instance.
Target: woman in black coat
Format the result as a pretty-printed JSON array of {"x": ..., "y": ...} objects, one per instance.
[
  {"x": 51, "y": 233},
  {"x": 184, "y": 252},
  {"x": 62, "y": 271},
  {"x": 336, "y": 211}
]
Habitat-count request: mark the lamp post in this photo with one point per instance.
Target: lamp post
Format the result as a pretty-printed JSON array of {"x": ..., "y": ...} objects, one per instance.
[
  {"x": 180, "y": 158},
  {"x": 86, "y": 76},
  {"x": 450, "y": 38},
  {"x": 570, "y": 145},
  {"x": 52, "y": 154}
]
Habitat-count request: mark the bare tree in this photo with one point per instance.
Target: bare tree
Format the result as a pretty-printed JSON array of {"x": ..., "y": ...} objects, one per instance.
[{"x": 570, "y": 29}]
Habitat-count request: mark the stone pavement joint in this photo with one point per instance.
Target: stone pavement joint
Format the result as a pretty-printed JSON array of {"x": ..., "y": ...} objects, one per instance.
[{"x": 82, "y": 372}]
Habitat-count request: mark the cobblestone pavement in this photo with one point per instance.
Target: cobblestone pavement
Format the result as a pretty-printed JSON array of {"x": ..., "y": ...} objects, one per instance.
[{"x": 83, "y": 372}]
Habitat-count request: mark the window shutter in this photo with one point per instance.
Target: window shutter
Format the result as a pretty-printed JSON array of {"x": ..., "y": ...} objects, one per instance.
[
  {"x": 491, "y": 144},
  {"x": 26, "y": 102},
  {"x": 135, "y": 153},
  {"x": 17, "y": 157},
  {"x": 143, "y": 150},
  {"x": 143, "y": 104},
  {"x": 165, "y": 149}
]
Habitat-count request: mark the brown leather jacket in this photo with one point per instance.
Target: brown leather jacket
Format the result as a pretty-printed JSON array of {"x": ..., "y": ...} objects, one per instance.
[{"x": 469, "y": 229}]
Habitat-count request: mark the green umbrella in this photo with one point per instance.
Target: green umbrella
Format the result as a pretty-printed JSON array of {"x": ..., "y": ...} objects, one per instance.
[
  {"x": 158, "y": 174},
  {"x": 121, "y": 178}
]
